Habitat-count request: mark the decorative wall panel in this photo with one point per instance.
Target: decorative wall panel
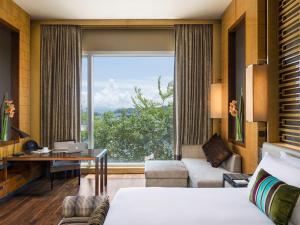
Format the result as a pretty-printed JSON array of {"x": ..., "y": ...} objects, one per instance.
[{"x": 289, "y": 71}]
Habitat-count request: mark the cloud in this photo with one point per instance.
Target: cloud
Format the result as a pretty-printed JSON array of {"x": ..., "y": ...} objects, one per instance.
[
  {"x": 111, "y": 95},
  {"x": 114, "y": 94}
]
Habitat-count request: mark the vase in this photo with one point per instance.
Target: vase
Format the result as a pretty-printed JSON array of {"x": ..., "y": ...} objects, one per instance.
[
  {"x": 4, "y": 128},
  {"x": 238, "y": 130}
]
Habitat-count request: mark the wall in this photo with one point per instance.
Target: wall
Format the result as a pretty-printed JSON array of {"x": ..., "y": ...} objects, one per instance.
[
  {"x": 5, "y": 61},
  {"x": 254, "y": 13},
  {"x": 35, "y": 52},
  {"x": 18, "y": 19}
]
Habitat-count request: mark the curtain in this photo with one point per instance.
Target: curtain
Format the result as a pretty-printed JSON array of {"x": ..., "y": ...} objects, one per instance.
[
  {"x": 60, "y": 83},
  {"x": 193, "y": 71}
]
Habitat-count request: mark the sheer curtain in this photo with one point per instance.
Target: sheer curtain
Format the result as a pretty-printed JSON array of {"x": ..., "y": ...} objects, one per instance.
[
  {"x": 60, "y": 83},
  {"x": 193, "y": 71}
]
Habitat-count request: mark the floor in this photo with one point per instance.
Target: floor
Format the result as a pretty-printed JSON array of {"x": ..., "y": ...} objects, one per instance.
[{"x": 40, "y": 206}]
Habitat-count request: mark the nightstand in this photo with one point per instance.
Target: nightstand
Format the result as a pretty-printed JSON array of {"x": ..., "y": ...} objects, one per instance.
[{"x": 235, "y": 180}]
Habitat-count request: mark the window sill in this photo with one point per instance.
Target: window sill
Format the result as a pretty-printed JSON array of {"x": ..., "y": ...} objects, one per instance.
[{"x": 114, "y": 170}]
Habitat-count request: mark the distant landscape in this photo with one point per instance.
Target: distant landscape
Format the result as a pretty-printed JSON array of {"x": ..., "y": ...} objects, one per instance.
[{"x": 131, "y": 134}]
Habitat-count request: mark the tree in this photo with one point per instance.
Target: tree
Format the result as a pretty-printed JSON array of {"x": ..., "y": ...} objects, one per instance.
[{"x": 132, "y": 134}]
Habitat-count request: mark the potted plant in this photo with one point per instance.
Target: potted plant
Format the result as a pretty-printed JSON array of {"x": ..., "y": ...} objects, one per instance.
[
  {"x": 7, "y": 112},
  {"x": 237, "y": 112}
]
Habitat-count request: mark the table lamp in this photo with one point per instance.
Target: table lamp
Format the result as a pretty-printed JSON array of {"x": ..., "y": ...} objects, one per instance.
[{"x": 21, "y": 134}]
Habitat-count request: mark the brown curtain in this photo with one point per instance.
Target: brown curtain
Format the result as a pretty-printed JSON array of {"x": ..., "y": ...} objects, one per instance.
[
  {"x": 60, "y": 83},
  {"x": 193, "y": 71}
]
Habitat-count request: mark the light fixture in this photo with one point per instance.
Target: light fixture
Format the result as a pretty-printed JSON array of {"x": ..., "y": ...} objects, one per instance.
[
  {"x": 21, "y": 134},
  {"x": 256, "y": 93},
  {"x": 216, "y": 101}
]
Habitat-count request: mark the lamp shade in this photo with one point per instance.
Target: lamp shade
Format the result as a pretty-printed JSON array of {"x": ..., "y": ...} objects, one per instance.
[
  {"x": 256, "y": 93},
  {"x": 216, "y": 100},
  {"x": 20, "y": 133}
]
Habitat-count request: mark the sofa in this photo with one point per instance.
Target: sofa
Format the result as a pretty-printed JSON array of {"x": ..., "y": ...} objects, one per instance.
[{"x": 201, "y": 173}]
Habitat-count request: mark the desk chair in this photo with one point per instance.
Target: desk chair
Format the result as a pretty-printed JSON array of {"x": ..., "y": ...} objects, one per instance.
[{"x": 64, "y": 166}]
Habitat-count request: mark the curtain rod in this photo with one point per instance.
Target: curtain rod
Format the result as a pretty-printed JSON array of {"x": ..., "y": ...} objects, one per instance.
[{"x": 162, "y": 27}]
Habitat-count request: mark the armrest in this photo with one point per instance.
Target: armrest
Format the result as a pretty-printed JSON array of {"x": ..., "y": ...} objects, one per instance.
[
  {"x": 192, "y": 151},
  {"x": 233, "y": 164},
  {"x": 80, "y": 206}
]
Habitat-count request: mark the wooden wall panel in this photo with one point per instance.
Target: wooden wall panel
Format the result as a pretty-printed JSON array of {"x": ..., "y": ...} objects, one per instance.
[
  {"x": 289, "y": 71},
  {"x": 17, "y": 18},
  {"x": 254, "y": 13}
]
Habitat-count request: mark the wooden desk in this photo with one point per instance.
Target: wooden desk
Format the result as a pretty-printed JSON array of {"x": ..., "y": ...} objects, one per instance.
[{"x": 97, "y": 155}]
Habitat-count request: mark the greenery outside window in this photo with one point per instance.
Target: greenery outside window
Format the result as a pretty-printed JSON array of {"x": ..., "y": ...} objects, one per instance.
[{"x": 127, "y": 105}]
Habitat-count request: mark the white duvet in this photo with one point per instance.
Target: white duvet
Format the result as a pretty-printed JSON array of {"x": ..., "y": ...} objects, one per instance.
[{"x": 184, "y": 206}]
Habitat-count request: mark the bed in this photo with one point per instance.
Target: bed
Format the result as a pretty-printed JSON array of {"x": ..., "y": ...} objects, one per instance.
[{"x": 185, "y": 206}]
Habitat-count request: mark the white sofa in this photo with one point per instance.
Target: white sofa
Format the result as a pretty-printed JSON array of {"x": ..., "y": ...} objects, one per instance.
[{"x": 201, "y": 173}]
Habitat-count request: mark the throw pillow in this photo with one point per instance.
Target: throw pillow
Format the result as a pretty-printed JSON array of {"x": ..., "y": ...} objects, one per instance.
[
  {"x": 278, "y": 168},
  {"x": 84, "y": 205},
  {"x": 99, "y": 214},
  {"x": 68, "y": 209},
  {"x": 215, "y": 150},
  {"x": 274, "y": 198}
]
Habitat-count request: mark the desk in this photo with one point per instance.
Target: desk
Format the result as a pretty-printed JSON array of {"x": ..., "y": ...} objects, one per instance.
[{"x": 97, "y": 155}]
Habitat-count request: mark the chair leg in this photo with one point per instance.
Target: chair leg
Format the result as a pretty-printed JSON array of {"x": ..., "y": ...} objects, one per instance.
[{"x": 51, "y": 180}]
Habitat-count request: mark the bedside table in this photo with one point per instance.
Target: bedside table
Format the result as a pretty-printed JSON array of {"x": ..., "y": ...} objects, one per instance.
[{"x": 235, "y": 180}]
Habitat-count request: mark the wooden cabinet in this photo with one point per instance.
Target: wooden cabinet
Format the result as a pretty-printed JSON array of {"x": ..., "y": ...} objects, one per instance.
[
  {"x": 2, "y": 189},
  {"x": 18, "y": 177}
]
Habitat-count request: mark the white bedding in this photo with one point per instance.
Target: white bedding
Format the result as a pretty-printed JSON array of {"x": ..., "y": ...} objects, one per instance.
[{"x": 184, "y": 206}]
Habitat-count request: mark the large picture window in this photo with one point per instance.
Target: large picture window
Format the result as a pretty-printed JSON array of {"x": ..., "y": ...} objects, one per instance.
[{"x": 127, "y": 105}]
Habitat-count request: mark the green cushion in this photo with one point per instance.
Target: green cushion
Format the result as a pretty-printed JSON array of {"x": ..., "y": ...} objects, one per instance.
[{"x": 274, "y": 198}]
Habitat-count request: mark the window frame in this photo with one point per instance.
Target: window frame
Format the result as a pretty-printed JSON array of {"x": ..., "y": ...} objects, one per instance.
[{"x": 90, "y": 88}]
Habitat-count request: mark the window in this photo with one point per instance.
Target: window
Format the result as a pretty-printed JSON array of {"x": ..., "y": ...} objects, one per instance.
[{"x": 127, "y": 105}]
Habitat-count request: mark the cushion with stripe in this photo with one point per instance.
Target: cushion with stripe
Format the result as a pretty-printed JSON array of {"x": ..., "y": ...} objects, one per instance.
[
  {"x": 80, "y": 206},
  {"x": 99, "y": 214},
  {"x": 274, "y": 198}
]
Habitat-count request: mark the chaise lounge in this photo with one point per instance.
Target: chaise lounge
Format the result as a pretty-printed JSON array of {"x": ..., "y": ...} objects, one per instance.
[{"x": 193, "y": 170}]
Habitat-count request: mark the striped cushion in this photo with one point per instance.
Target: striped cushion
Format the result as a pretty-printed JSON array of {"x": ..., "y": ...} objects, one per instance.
[
  {"x": 274, "y": 198},
  {"x": 99, "y": 214},
  {"x": 80, "y": 206}
]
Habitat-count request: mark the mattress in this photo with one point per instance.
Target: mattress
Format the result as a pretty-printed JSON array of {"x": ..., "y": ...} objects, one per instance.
[{"x": 184, "y": 206}]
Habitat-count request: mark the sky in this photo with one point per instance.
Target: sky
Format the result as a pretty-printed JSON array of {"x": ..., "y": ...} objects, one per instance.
[{"x": 116, "y": 76}]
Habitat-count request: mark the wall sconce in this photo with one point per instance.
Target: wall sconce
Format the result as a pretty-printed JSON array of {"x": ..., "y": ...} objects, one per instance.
[
  {"x": 256, "y": 93},
  {"x": 216, "y": 101}
]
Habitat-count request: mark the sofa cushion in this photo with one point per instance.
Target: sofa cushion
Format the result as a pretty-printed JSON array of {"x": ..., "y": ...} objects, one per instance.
[
  {"x": 215, "y": 150},
  {"x": 80, "y": 206},
  {"x": 193, "y": 151},
  {"x": 165, "y": 169},
  {"x": 233, "y": 164},
  {"x": 164, "y": 182},
  {"x": 202, "y": 174}
]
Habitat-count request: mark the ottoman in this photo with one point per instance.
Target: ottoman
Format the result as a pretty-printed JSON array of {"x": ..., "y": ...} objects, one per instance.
[{"x": 165, "y": 173}]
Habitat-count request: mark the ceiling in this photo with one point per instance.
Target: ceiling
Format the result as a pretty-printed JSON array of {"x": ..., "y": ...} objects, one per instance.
[{"x": 124, "y": 9}]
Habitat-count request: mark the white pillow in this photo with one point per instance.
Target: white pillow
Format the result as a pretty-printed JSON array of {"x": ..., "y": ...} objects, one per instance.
[
  {"x": 295, "y": 219},
  {"x": 294, "y": 161},
  {"x": 290, "y": 159},
  {"x": 285, "y": 172},
  {"x": 278, "y": 168}
]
